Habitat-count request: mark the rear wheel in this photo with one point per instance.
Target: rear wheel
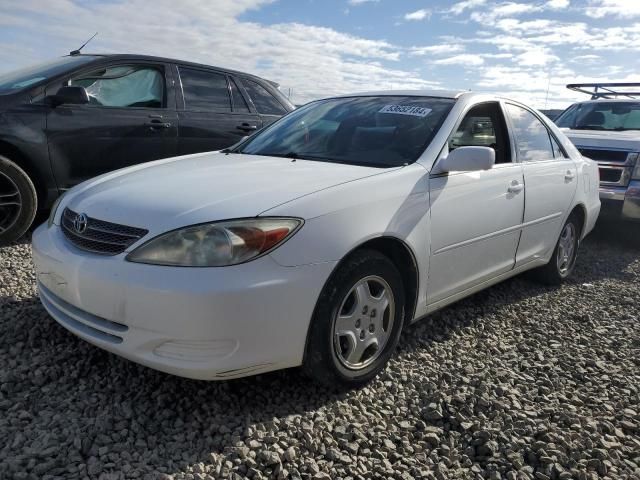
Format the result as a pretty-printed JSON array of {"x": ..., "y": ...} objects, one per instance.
[
  {"x": 18, "y": 201},
  {"x": 357, "y": 323},
  {"x": 564, "y": 255}
]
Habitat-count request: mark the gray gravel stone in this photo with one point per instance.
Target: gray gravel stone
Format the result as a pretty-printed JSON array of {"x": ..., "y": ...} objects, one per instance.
[{"x": 519, "y": 382}]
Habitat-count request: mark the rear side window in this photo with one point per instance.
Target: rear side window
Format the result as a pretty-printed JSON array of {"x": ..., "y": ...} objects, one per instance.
[
  {"x": 123, "y": 86},
  {"x": 266, "y": 103},
  {"x": 239, "y": 104},
  {"x": 203, "y": 90},
  {"x": 532, "y": 137}
]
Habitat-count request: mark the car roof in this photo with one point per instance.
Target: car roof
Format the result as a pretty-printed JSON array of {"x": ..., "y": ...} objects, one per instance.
[
  {"x": 133, "y": 56},
  {"x": 611, "y": 100},
  {"x": 408, "y": 93}
]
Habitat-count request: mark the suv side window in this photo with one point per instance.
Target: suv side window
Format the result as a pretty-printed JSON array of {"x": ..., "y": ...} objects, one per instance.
[
  {"x": 265, "y": 103},
  {"x": 483, "y": 126},
  {"x": 124, "y": 86},
  {"x": 204, "y": 90},
  {"x": 532, "y": 137}
]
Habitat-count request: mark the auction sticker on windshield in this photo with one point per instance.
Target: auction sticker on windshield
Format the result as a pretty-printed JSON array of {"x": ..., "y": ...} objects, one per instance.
[{"x": 406, "y": 110}]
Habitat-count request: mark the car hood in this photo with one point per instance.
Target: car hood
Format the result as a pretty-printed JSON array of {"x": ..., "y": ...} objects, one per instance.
[
  {"x": 628, "y": 140},
  {"x": 168, "y": 194}
]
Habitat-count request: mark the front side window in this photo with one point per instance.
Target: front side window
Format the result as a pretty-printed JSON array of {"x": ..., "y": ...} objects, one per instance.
[
  {"x": 123, "y": 86},
  {"x": 483, "y": 126},
  {"x": 532, "y": 137},
  {"x": 601, "y": 115},
  {"x": 384, "y": 131},
  {"x": 27, "y": 77},
  {"x": 265, "y": 103},
  {"x": 205, "y": 91}
]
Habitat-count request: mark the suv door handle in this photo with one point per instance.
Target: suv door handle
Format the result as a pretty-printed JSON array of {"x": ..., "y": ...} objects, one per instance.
[
  {"x": 157, "y": 123},
  {"x": 515, "y": 187},
  {"x": 246, "y": 127},
  {"x": 569, "y": 176}
]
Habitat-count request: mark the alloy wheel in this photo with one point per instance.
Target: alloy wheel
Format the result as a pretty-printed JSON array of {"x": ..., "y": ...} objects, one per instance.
[
  {"x": 10, "y": 203},
  {"x": 566, "y": 248},
  {"x": 364, "y": 323}
]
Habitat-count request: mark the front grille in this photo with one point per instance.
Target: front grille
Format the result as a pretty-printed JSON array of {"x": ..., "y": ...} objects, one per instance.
[
  {"x": 610, "y": 175},
  {"x": 100, "y": 237},
  {"x": 619, "y": 156}
]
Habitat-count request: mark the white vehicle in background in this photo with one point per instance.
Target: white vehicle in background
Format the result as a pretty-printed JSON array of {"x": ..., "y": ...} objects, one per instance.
[
  {"x": 607, "y": 130},
  {"x": 315, "y": 241}
]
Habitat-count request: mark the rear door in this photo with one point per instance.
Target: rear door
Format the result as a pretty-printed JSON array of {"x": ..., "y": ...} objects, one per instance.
[
  {"x": 265, "y": 102},
  {"x": 213, "y": 112},
  {"x": 130, "y": 119},
  {"x": 550, "y": 178}
]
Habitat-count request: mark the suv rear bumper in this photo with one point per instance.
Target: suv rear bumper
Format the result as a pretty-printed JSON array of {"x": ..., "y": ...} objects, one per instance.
[{"x": 621, "y": 202}]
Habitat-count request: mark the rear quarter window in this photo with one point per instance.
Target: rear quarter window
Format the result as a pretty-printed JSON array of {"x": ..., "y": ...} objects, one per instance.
[{"x": 264, "y": 101}]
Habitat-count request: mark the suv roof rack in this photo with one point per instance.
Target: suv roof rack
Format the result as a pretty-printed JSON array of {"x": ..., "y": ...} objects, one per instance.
[{"x": 607, "y": 90}]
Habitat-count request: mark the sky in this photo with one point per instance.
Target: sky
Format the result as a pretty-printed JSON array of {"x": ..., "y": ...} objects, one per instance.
[{"x": 527, "y": 51}]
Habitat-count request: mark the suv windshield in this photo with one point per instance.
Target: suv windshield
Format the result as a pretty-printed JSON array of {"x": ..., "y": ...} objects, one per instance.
[
  {"x": 26, "y": 77},
  {"x": 385, "y": 131},
  {"x": 600, "y": 115}
]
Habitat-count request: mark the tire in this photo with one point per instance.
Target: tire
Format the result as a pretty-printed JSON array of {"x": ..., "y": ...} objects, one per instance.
[
  {"x": 18, "y": 201},
  {"x": 562, "y": 262},
  {"x": 349, "y": 351}
]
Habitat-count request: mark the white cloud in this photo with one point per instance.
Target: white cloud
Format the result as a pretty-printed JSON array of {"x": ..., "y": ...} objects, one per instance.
[
  {"x": 418, "y": 15},
  {"x": 464, "y": 59},
  {"x": 458, "y": 8},
  {"x": 505, "y": 9},
  {"x": 618, "y": 8},
  {"x": 361, "y": 2},
  {"x": 313, "y": 61},
  {"x": 557, "y": 4},
  {"x": 445, "y": 48}
]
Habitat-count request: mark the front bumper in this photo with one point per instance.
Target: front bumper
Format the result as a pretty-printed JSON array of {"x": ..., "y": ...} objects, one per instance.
[
  {"x": 203, "y": 323},
  {"x": 621, "y": 202}
]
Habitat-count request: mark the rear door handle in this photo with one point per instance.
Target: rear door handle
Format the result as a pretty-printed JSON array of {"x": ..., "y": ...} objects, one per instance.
[
  {"x": 515, "y": 187},
  {"x": 569, "y": 176},
  {"x": 246, "y": 127}
]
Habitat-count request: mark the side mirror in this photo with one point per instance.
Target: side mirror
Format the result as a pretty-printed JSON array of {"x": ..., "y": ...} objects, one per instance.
[
  {"x": 468, "y": 159},
  {"x": 69, "y": 95}
]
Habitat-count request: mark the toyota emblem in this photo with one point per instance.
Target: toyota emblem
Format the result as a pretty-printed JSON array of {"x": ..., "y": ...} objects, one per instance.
[{"x": 80, "y": 223}]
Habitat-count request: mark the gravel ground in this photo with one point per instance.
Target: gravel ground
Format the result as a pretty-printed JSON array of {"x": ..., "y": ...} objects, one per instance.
[{"x": 517, "y": 382}]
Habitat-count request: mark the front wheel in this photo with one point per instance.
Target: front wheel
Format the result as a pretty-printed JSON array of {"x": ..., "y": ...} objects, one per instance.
[
  {"x": 18, "y": 201},
  {"x": 357, "y": 322},
  {"x": 564, "y": 255}
]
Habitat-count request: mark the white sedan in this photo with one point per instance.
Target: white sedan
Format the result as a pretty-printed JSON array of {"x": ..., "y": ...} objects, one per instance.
[{"x": 315, "y": 241}]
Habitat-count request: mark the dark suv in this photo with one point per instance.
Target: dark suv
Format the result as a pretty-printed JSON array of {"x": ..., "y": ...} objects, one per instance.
[{"x": 76, "y": 117}]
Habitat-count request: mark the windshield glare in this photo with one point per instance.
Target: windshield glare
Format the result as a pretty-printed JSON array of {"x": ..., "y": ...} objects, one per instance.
[
  {"x": 385, "y": 131},
  {"x": 26, "y": 77},
  {"x": 615, "y": 116}
]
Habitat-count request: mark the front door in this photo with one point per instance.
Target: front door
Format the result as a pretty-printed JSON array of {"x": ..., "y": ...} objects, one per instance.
[
  {"x": 550, "y": 178},
  {"x": 130, "y": 119},
  {"x": 214, "y": 114},
  {"x": 476, "y": 216}
]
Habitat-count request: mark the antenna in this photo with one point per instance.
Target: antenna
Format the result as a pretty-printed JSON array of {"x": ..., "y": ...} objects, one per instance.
[{"x": 77, "y": 52}]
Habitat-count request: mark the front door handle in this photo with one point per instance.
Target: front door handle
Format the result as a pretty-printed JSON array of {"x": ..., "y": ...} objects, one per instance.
[
  {"x": 569, "y": 176},
  {"x": 515, "y": 187},
  {"x": 246, "y": 127},
  {"x": 157, "y": 123}
]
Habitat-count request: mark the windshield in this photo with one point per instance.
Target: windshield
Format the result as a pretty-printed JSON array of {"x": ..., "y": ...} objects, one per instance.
[
  {"x": 385, "y": 131},
  {"x": 615, "y": 116},
  {"x": 26, "y": 77}
]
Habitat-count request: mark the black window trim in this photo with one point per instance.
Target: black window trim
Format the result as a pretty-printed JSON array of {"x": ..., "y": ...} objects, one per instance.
[{"x": 162, "y": 67}]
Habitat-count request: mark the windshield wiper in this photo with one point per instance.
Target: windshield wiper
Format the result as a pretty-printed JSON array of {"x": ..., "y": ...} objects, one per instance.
[{"x": 588, "y": 127}]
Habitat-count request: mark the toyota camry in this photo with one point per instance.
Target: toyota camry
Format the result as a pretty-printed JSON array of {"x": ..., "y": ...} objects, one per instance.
[{"x": 315, "y": 241}]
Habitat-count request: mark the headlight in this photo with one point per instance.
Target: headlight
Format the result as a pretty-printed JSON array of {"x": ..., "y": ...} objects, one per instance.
[
  {"x": 636, "y": 170},
  {"x": 216, "y": 244},
  {"x": 54, "y": 209}
]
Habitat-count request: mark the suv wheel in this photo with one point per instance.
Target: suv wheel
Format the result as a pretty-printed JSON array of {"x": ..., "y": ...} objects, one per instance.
[
  {"x": 357, "y": 323},
  {"x": 18, "y": 201}
]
